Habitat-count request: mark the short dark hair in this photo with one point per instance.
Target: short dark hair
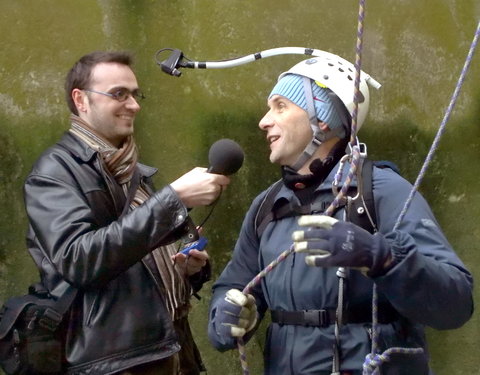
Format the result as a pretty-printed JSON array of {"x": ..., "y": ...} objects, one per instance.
[{"x": 79, "y": 76}]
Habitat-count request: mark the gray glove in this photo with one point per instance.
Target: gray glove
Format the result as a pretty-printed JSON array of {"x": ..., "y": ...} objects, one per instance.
[{"x": 236, "y": 314}]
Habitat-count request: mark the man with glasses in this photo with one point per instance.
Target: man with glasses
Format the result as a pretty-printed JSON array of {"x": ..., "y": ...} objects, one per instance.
[{"x": 97, "y": 224}]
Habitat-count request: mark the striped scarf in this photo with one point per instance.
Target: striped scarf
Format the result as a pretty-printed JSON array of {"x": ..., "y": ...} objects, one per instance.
[{"x": 121, "y": 164}]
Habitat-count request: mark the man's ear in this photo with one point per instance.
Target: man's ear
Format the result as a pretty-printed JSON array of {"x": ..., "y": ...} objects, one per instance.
[
  {"x": 323, "y": 126},
  {"x": 80, "y": 99}
]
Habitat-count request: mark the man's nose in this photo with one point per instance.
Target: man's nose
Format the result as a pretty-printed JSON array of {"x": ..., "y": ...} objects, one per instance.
[
  {"x": 266, "y": 121},
  {"x": 133, "y": 104}
]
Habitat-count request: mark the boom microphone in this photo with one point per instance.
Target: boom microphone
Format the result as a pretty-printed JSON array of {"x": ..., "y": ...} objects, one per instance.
[{"x": 225, "y": 157}]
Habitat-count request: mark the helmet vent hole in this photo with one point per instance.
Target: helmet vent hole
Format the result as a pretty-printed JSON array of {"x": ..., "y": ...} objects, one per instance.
[
  {"x": 350, "y": 78},
  {"x": 341, "y": 70},
  {"x": 330, "y": 64},
  {"x": 325, "y": 76}
]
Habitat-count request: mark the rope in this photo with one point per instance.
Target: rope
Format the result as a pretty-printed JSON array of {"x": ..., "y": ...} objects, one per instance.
[
  {"x": 358, "y": 67},
  {"x": 355, "y": 160},
  {"x": 256, "y": 280},
  {"x": 441, "y": 130},
  {"x": 373, "y": 361}
]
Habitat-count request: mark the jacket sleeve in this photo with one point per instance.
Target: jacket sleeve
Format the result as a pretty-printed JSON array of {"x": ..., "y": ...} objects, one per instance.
[
  {"x": 86, "y": 253},
  {"x": 239, "y": 271},
  {"x": 429, "y": 284}
]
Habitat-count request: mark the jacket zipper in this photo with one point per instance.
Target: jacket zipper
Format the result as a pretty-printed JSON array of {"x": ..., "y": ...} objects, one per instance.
[
  {"x": 91, "y": 311},
  {"x": 292, "y": 267}
]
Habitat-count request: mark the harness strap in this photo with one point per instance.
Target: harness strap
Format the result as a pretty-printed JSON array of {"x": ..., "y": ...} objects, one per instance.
[
  {"x": 308, "y": 318},
  {"x": 360, "y": 212},
  {"x": 288, "y": 209},
  {"x": 325, "y": 317}
]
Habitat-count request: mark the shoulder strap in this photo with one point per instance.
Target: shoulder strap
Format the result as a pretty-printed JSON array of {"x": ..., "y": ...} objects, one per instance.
[
  {"x": 387, "y": 164},
  {"x": 360, "y": 211},
  {"x": 265, "y": 213},
  {"x": 269, "y": 210}
]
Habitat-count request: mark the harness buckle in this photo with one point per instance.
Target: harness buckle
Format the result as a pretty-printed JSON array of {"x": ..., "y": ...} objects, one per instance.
[
  {"x": 50, "y": 319},
  {"x": 315, "y": 318}
]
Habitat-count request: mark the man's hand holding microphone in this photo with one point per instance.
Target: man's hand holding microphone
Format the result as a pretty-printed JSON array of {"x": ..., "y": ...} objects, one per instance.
[{"x": 202, "y": 187}]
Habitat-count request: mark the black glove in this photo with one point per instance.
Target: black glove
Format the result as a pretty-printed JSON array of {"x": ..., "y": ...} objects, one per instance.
[{"x": 332, "y": 243}]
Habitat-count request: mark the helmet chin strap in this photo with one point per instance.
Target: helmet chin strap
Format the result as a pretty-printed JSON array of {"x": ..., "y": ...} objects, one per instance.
[{"x": 319, "y": 136}]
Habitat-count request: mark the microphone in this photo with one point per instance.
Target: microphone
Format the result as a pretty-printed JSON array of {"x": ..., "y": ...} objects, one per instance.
[
  {"x": 225, "y": 157},
  {"x": 170, "y": 65}
]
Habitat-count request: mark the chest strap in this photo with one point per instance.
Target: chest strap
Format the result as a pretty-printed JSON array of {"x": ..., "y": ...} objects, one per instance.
[{"x": 326, "y": 317}]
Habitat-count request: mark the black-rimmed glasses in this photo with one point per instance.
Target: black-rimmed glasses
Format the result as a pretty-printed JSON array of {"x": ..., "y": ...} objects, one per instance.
[{"x": 121, "y": 94}]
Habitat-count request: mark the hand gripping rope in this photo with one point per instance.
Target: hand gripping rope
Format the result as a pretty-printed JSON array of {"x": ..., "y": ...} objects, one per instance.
[{"x": 177, "y": 60}]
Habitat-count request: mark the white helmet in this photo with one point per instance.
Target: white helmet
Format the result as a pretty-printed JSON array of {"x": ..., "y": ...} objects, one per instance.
[{"x": 338, "y": 75}]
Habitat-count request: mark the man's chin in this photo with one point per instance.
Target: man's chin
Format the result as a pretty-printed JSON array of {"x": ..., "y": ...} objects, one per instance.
[
  {"x": 128, "y": 131},
  {"x": 276, "y": 159},
  {"x": 273, "y": 159}
]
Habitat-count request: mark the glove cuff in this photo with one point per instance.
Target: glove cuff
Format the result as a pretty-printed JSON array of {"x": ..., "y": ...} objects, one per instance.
[
  {"x": 401, "y": 245},
  {"x": 396, "y": 245},
  {"x": 383, "y": 259}
]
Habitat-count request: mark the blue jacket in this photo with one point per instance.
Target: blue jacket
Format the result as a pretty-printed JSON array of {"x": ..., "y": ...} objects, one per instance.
[{"x": 429, "y": 286}]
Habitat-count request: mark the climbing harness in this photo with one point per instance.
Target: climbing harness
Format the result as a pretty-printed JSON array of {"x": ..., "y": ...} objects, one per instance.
[{"x": 374, "y": 360}]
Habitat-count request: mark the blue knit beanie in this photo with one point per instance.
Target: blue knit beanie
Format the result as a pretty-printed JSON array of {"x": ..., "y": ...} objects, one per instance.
[{"x": 291, "y": 87}]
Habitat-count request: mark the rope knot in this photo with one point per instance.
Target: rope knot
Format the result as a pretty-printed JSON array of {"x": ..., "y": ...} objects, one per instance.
[{"x": 372, "y": 363}]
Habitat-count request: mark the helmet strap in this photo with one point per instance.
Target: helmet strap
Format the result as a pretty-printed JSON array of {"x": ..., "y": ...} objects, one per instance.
[
  {"x": 307, "y": 154},
  {"x": 319, "y": 136}
]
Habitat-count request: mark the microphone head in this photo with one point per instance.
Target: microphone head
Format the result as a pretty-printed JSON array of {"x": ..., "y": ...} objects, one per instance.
[{"x": 225, "y": 157}]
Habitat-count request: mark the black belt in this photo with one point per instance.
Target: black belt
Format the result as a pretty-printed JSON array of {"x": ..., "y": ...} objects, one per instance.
[{"x": 324, "y": 318}]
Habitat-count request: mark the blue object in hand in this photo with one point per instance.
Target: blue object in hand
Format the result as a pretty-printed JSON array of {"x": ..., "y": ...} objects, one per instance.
[{"x": 197, "y": 245}]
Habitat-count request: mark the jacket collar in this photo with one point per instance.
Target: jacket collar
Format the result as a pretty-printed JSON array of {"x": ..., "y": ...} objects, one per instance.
[{"x": 326, "y": 185}]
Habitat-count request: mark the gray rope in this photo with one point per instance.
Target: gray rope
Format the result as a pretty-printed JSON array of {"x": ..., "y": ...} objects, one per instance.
[
  {"x": 373, "y": 361},
  {"x": 441, "y": 130}
]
